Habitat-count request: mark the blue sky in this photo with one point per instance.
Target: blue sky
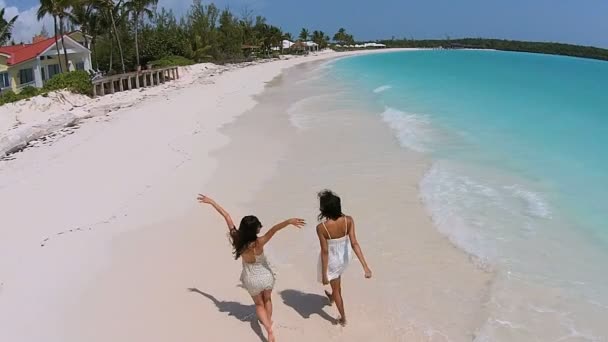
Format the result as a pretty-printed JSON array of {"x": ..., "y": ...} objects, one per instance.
[{"x": 571, "y": 21}]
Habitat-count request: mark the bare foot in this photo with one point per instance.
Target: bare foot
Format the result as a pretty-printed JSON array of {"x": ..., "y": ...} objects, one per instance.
[
  {"x": 330, "y": 298},
  {"x": 271, "y": 337},
  {"x": 342, "y": 321}
]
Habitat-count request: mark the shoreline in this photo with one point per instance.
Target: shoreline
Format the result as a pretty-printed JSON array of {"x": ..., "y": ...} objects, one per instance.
[
  {"x": 31, "y": 122},
  {"x": 83, "y": 201},
  {"x": 261, "y": 140}
]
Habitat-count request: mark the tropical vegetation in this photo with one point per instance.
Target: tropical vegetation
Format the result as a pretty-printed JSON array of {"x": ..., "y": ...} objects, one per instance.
[
  {"x": 504, "y": 45},
  {"x": 6, "y": 27},
  {"x": 128, "y": 34},
  {"x": 77, "y": 82},
  {"x": 125, "y": 35},
  {"x": 343, "y": 38}
]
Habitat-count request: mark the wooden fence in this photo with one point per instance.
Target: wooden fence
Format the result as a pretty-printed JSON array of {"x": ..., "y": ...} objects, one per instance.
[{"x": 134, "y": 80}]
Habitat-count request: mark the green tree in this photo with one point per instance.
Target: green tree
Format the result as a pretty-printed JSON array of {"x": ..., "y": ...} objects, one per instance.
[
  {"x": 246, "y": 25},
  {"x": 340, "y": 35},
  {"x": 320, "y": 38},
  {"x": 81, "y": 16},
  {"x": 139, "y": 9},
  {"x": 64, "y": 7},
  {"x": 230, "y": 35},
  {"x": 304, "y": 34},
  {"x": 201, "y": 28},
  {"x": 54, "y": 9},
  {"x": 86, "y": 16},
  {"x": 111, "y": 10},
  {"x": 343, "y": 38},
  {"x": 6, "y": 27},
  {"x": 274, "y": 37}
]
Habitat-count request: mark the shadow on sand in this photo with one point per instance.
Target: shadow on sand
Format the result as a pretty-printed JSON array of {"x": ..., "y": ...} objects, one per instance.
[
  {"x": 307, "y": 304},
  {"x": 242, "y": 312}
]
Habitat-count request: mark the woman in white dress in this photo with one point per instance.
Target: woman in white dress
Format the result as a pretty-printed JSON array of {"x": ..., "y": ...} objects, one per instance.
[
  {"x": 338, "y": 240},
  {"x": 257, "y": 276}
]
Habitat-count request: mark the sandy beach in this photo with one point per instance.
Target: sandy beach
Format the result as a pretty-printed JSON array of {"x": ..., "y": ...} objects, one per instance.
[{"x": 102, "y": 239}]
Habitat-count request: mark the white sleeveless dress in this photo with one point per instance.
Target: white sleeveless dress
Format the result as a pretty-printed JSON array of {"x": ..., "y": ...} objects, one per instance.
[
  {"x": 257, "y": 276},
  {"x": 339, "y": 255}
]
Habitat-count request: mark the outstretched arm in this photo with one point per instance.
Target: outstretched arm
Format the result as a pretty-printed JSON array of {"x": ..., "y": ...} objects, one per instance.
[
  {"x": 297, "y": 222},
  {"x": 324, "y": 254},
  {"x": 207, "y": 200},
  {"x": 355, "y": 245}
]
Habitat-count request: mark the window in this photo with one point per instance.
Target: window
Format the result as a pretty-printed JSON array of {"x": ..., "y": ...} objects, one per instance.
[
  {"x": 53, "y": 70},
  {"x": 43, "y": 72},
  {"x": 26, "y": 76},
  {"x": 80, "y": 66},
  {"x": 5, "y": 82}
]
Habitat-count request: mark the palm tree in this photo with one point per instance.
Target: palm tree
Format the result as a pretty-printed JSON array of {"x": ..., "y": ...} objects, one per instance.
[
  {"x": 95, "y": 30},
  {"x": 304, "y": 34},
  {"x": 63, "y": 12},
  {"x": 52, "y": 8},
  {"x": 139, "y": 9},
  {"x": 316, "y": 37},
  {"x": 340, "y": 36},
  {"x": 6, "y": 27},
  {"x": 82, "y": 15},
  {"x": 320, "y": 38},
  {"x": 85, "y": 15},
  {"x": 275, "y": 37},
  {"x": 110, "y": 10}
]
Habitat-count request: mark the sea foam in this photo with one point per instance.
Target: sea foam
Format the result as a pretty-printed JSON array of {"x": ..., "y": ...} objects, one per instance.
[
  {"x": 412, "y": 130},
  {"x": 382, "y": 89}
]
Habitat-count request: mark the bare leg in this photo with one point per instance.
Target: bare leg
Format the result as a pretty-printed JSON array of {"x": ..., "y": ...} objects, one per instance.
[
  {"x": 329, "y": 297},
  {"x": 260, "y": 310},
  {"x": 337, "y": 296},
  {"x": 267, "y": 296}
]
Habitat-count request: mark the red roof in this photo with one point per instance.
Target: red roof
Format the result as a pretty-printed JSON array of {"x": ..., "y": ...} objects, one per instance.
[{"x": 25, "y": 52}]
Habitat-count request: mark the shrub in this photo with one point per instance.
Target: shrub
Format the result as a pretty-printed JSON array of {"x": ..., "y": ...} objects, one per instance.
[
  {"x": 28, "y": 92},
  {"x": 76, "y": 82},
  {"x": 171, "y": 61},
  {"x": 8, "y": 96}
]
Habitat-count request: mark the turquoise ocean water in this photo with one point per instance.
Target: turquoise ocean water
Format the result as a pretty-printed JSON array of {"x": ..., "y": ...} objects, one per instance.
[{"x": 519, "y": 174}]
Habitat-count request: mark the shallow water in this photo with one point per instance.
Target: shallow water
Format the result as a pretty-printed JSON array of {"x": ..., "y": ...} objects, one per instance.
[
  {"x": 518, "y": 177},
  {"x": 316, "y": 133}
]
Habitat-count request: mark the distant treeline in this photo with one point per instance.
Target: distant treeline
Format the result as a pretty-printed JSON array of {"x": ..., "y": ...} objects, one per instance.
[{"x": 504, "y": 45}]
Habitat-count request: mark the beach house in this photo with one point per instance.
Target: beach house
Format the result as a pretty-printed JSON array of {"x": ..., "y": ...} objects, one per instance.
[{"x": 33, "y": 64}]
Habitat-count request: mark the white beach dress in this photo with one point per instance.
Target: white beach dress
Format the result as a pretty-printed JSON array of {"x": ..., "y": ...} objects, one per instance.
[
  {"x": 339, "y": 255},
  {"x": 257, "y": 276}
]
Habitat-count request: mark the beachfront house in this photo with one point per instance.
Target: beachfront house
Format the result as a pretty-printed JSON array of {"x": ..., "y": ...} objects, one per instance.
[
  {"x": 304, "y": 47},
  {"x": 286, "y": 44},
  {"x": 33, "y": 64}
]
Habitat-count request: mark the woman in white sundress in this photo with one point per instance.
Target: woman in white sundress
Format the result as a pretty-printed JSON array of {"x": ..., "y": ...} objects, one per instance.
[
  {"x": 256, "y": 276},
  {"x": 338, "y": 240}
]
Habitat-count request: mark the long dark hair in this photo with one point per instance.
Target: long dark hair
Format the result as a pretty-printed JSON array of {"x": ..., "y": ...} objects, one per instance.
[
  {"x": 246, "y": 234},
  {"x": 329, "y": 205}
]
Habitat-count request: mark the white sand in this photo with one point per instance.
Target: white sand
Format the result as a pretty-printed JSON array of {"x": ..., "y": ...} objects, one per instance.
[{"x": 101, "y": 235}]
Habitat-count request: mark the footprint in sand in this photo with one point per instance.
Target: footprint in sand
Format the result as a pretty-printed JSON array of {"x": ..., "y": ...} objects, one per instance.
[{"x": 46, "y": 240}]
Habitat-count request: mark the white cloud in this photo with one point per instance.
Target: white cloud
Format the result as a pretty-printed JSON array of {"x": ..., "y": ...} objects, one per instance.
[{"x": 27, "y": 25}]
